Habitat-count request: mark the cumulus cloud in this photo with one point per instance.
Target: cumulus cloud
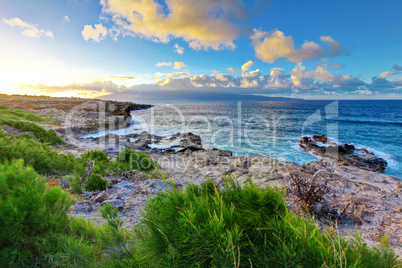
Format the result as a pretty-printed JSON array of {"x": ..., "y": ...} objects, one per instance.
[
  {"x": 203, "y": 24},
  {"x": 386, "y": 74},
  {"x": 28, "y": 29},
  {"x": 179, "y": 49},
  {"x": 170, "y": 75},
  {"x": 397, "y": 67},
  {"x": 231, "y": 70},
  {"x": 245, "y": 67},
  {"x": 321, "y": 78},
  {"x": 178, "y": 65},
  {"x": 277, "y": 80},
  {"x": 299, "y": 81},
  {"x": 317, "y": 81},
  {"x": 270, "y": 46},
  {"x": 97, "y": 33},
  {"x": 164, "y": 63},
  {"x": 66, "y": 19}
]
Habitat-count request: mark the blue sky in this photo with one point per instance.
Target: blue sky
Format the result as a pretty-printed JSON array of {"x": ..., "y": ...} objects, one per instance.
[{"x": 308, "y": 49}]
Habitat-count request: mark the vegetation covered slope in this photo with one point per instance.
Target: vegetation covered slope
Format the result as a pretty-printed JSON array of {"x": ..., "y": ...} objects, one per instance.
[
  {"x": 200, "y": 226},
  {"x": 26, "y": 122}
]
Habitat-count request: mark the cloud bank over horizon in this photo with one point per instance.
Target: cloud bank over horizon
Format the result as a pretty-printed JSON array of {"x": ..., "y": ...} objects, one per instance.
[{"x": 298, "y": 81}]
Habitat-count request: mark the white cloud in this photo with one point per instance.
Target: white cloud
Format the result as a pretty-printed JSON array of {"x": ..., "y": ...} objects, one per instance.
[
  {"x": 179, "y": 49},
  {"x": 252, "y": 74},
  {"x": 163, "y": 63},
  {"x": 297, "y": 82},
  {"x": 321, "y": 78},
  {"x": 231, "y": 70},
  {"x": 170, "y": 75},
  {"x": 270, "y": 46},
  {"x": 386, "y": 74},
  {"x": 178, "y": 65},
  {"x": 66, "y": 19},
  {"x": 97, "y": 33},
  {"x": 248, "y": 83},
  {"x": 245, "y": 67},
  {"x": 29, "y": 29},
  {"x": 203, "y": 24}
]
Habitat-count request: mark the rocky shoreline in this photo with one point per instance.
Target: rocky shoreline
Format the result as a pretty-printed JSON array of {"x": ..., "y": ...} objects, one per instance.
[{"x": 356, "y": 196}]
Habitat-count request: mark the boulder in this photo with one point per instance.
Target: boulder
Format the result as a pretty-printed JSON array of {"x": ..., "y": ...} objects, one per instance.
[
  {"x": 101, "y": 197},
  {"x": 346, "y": 154}
]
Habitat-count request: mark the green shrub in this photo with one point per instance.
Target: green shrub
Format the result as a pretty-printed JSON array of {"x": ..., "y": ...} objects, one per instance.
[
  {"x": 38, "y": 155},
  {"x": 131, "y": 159},
  {"x": 28, "y": 210},
  {"x": 43, "y": 135},
  {"x": 35, "y": 230},
  {"x": 101, "y": 160},
  {"x": 95, "y": 181},
  {"x": 75, "y": 182},
  {"x": 95, "y": 155},
  {"x": 241, "y": 227}
]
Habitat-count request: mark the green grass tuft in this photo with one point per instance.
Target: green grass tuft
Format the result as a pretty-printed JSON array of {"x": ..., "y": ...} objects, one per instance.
[{"x": 14, "y": 114}]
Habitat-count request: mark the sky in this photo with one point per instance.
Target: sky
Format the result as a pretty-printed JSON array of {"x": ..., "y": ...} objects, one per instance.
[{"x": 303, "y": 49}]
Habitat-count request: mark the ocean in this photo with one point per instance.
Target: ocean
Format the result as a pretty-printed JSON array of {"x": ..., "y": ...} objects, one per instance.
[{"x": 273, "y": 128}]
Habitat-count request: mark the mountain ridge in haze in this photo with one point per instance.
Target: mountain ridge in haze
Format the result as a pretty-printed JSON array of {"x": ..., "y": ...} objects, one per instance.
[{"x": 164, "y": 96}]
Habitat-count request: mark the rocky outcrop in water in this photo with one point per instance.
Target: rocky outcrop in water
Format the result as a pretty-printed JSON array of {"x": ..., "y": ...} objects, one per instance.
[{"x": 346, "y": 154}]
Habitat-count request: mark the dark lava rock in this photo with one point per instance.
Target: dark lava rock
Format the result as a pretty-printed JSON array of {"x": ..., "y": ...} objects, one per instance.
[
  {"x": 82, "y": 207},
  {"x": 101, "y": 197},
  {"x": 346, "y": 154}
]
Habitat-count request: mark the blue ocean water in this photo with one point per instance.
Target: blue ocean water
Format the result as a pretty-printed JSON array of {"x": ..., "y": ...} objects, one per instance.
[{"x": 273, "y": 128}]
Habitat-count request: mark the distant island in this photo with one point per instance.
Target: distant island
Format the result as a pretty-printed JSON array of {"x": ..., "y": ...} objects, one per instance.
[{"x": 186, "y": 96}]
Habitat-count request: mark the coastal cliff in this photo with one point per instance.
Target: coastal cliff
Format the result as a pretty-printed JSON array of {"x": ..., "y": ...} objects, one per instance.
[
  {"x": 78, "y": 116},
  {"x": 355, "y": 198}
]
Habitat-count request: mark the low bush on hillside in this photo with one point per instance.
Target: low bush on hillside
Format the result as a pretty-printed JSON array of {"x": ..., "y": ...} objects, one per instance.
[
  {"x": 95, "y": 181},
  {"x": 129, "y": 159},
  {"x": 241, "y": 227},
  {"x": 43, "y": 135},
  {"x": 29, "y": 210},
  {"x": 37, "y": 232},
  {"x": 45, "y": 161},
  {"x": 40, "y": 156}
]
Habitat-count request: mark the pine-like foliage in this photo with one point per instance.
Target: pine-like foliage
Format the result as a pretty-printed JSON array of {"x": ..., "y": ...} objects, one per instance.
[
  {"x": 28, "y": 210},
  {"x": 241, "y": 227}
]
